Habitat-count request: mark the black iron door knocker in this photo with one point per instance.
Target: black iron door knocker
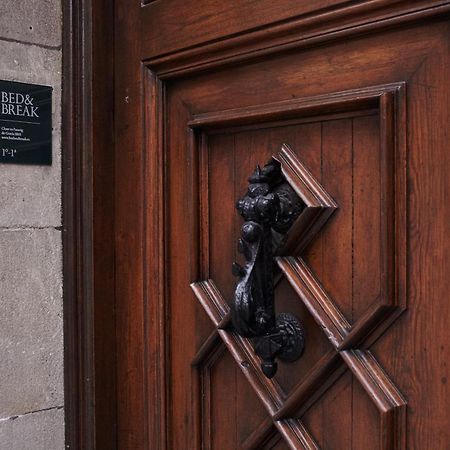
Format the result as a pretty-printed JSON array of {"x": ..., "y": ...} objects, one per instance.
[{"x": 269, "y": 208}]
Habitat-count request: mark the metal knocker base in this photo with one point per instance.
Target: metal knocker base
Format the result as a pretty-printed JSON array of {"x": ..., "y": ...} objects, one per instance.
[
  {"x": 286, "y": 343},
  {"x": 293, "y": 332}
]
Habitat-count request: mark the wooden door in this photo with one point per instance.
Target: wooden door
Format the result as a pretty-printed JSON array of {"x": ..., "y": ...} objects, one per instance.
[{"x": 359, "y": 91}]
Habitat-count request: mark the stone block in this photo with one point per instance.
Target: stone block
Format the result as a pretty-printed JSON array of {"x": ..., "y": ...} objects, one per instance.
[
  {"x": 31, "y": 195},
  {"x": 43, "y": 430},
  {"x": 31, "y": 325},
  {"x": 33, "y": 21}
]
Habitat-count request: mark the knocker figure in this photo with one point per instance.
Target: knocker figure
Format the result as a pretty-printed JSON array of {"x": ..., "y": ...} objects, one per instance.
[{"x": 268, "y": 212}]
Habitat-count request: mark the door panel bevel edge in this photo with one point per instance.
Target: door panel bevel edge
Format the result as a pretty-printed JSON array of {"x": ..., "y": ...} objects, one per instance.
[{"x": 306, "y": 32}]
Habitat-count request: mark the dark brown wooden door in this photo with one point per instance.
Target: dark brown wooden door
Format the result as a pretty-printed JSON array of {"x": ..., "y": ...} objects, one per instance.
[{"x": 359, "y": 90}]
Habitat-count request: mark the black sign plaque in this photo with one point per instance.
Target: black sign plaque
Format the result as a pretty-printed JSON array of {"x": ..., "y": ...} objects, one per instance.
[{"x": 25, "y": 123}]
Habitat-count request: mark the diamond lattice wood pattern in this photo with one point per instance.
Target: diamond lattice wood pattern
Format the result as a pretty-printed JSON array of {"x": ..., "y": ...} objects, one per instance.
[{"x": 350, "y": 340}]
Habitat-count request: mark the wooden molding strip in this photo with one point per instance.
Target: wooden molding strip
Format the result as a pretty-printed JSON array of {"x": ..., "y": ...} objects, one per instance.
[
  {"x": 303, "y": 182},
  {"x": 211, "y": 299},
  {"x": 206, "y": 349},
  {"x": 259, "y": 436},
  {"x": 304, "y": 31},
  {"x": 336, "y": 102},
  {"x": 324, "y": 373},
  {"x": 371, "y": 325},
  {"x": 295, "y": 433},
  {"x": 385, "y": 395},
  {"x": 319, "y": 304},
  {"x": 374, "y": 380},
  {"x": 319, "y": 204}
]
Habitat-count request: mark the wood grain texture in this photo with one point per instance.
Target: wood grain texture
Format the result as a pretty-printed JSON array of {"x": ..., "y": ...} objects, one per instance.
[
  {"x": 307, "y": 30},
  {"x": 154, "y": 306},
  {"x": 319, "y": 304},
  {"x": 88, "y": 226},
  {"x": 426, "y": 362},
  {"x": 130, "y": 266},
  {"x": 201, "y": 20},
  {"x": 325, "y": 420},
  {"x": 260, "y": 435},
  {"x": 385, "y": 395},
  {"x": 78, "y": 320}
]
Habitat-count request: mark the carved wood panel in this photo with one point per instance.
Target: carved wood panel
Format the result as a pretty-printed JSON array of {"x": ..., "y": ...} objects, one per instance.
[
  {"x": 360, "y": 153},
  {"x": 350, "y": 110}
]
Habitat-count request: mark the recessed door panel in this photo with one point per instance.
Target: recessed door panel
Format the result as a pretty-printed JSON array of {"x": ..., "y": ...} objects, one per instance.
[{"x": 344, "y": 152}]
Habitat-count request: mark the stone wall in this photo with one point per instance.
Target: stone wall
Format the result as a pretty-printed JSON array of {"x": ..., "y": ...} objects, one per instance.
[{"x": 31, "y": 338}]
